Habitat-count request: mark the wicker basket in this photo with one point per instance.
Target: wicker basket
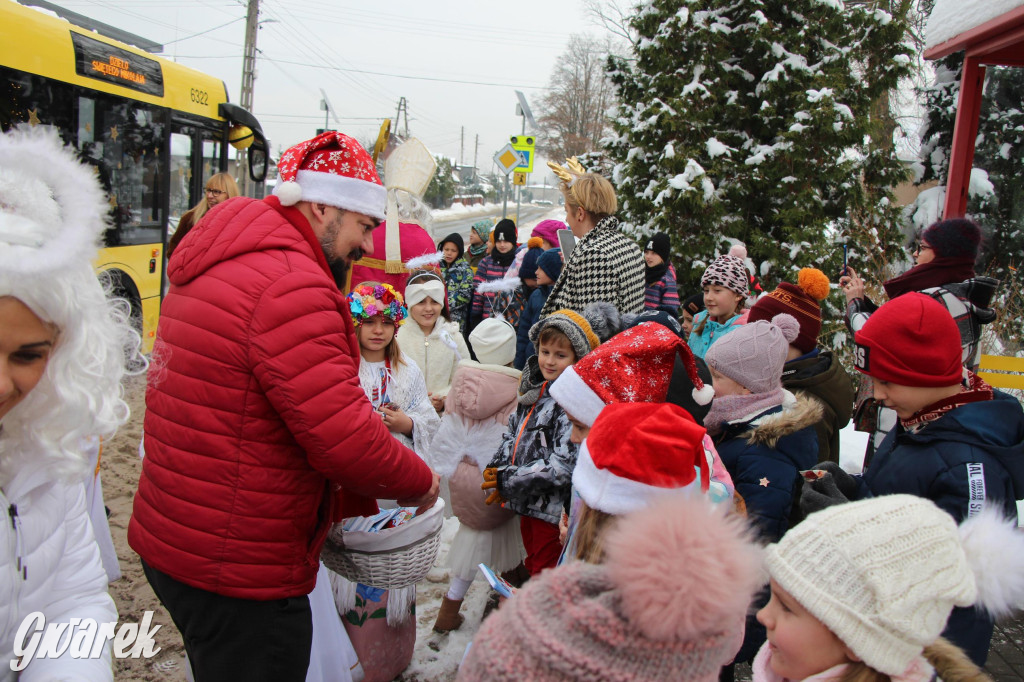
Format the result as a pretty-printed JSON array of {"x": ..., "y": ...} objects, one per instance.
[{"x": 389, "y": 559}]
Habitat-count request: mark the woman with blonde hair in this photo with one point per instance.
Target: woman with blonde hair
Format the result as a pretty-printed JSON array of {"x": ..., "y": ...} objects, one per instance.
[
  {"x": 219, "y": 188},
  {"x": 63, "y": 350},
  {"x": 605, "y": 264}
]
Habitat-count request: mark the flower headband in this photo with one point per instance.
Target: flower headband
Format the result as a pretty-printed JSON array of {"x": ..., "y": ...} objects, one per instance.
[{"x": 369, "y": 299}]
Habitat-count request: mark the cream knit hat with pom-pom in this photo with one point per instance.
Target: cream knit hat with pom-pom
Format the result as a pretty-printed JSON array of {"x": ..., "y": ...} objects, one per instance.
[{"x": 882, "y": 574}]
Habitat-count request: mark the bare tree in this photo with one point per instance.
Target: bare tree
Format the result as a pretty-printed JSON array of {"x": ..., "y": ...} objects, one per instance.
[
  {"x": 613, "y": 17},
  {"x": 574, "y": 112}
]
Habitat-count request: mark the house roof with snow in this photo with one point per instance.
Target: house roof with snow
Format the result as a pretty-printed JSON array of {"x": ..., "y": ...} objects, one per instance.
[{"x": 956, "y": 25}]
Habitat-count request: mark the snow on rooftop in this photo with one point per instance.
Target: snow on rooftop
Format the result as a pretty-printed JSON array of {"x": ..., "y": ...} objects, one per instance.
[{"x": 950, "y": 18}]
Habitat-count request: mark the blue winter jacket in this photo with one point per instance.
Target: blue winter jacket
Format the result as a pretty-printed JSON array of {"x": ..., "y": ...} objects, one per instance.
[
  {"x": 764, "y": 457},
  {"x": 969, "y": 455},
  {"x": 529, "y": 317},
  {"x": 712, "y": 331}
]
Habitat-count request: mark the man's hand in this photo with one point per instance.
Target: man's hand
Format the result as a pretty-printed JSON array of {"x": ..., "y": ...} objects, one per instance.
[{"x": 427, "y": 500}]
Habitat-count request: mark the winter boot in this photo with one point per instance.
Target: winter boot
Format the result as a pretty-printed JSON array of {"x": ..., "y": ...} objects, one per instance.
[
  {"x": 448, "y": 617},
  {"x": 516, "y": 577}
]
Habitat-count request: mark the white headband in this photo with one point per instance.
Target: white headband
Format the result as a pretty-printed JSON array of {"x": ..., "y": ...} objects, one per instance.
[{"x": 432, "y": 287}]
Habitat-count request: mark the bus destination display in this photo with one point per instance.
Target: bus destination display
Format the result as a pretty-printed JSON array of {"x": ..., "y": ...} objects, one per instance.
[{"x": 96, "y": 59}]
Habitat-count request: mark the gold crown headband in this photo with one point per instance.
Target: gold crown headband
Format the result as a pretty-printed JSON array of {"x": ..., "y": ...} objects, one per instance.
[{"x": 569, "y": 176}]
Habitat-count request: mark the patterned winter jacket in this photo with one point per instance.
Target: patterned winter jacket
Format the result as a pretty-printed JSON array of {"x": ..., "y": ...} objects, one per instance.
[
  {"x": 605, "y": 265},
  {"x": 663, "y": 294},
  {"x": 487, "y": 271},
  {"x": 458, "y": 282},
  {"x": 536, "y": 459}
]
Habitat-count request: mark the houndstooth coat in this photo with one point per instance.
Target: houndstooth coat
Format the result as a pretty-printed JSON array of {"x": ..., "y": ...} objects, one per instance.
[{"x": 605, "y": 265}]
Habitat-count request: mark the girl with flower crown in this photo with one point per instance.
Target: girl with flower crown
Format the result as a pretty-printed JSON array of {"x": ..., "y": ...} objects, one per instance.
[{"x": 395, "y": 386}]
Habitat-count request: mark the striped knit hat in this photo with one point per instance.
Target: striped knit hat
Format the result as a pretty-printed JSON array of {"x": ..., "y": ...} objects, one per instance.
[
  {"x": 586, "y": 331},
  {"x": 799, "y": 300}
]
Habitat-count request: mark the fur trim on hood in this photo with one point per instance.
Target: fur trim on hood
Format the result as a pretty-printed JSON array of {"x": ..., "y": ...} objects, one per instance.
[{"x": 797, "y": 413}]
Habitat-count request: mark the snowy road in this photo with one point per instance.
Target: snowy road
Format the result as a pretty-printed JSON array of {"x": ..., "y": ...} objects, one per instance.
[{"x": 531, "y": 215}]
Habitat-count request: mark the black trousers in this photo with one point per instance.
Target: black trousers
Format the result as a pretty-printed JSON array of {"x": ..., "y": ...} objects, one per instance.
[{"x": 237, "y": 639}]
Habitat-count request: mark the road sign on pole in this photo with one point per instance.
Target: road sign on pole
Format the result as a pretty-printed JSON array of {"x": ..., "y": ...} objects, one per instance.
[
  {"x": 525, "y": 145},
  {"x": 508, "y": 158},
  {"x": 518, "y": 178}
]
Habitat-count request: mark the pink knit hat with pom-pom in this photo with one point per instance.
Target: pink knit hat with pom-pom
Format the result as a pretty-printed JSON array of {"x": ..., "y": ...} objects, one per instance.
[
  {"x": 753, "y": 355},
  {"x": 668, "y": 603}
]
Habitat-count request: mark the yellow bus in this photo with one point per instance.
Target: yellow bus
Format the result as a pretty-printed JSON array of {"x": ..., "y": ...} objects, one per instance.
[{"x": 154, "y": 130}]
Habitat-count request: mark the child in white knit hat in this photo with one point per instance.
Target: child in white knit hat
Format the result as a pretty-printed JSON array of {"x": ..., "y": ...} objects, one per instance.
[{"x": 861, "y": 591}]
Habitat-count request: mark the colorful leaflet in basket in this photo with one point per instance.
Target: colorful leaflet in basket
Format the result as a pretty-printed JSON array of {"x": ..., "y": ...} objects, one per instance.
[{"x": 388, "y": 518}]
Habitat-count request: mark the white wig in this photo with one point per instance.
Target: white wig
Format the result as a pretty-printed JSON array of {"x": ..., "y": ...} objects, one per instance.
[{"x": 51, "y": 215}]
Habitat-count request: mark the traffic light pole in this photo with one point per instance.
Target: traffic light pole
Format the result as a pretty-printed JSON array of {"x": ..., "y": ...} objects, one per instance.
[{"x": 519, "y": 194}]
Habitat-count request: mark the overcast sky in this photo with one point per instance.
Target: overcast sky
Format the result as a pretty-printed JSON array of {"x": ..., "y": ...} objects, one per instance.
[{"x": 478, "y": 52}]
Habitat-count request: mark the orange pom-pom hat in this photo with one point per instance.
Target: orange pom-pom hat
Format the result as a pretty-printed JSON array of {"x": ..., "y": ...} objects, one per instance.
[{"x": 801, "y": 300}]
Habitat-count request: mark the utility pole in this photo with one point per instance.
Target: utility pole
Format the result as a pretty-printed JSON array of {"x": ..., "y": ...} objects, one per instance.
[
  {"x": 462, "y": 146},
  {"x": 403, "y": 105},
  {"x": 248, "y": 80},
  {"x": 476, "y": 151}
]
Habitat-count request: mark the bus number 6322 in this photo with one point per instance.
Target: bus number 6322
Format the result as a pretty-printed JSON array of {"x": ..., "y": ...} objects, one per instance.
[{"x": 199, "y": 96}]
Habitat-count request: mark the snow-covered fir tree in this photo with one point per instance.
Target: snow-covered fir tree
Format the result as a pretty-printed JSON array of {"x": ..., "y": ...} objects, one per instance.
[{"x": 750, "y": 120}]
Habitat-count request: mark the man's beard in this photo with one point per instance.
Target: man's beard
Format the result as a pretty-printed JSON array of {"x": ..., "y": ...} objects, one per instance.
[{"x": 339, "y": 265}]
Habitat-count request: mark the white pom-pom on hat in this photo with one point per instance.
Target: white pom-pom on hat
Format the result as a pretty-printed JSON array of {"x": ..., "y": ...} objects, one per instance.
[
  {"x": 704, "y": 395},
  {"x": 738, "y": 250},
  {"x": 290, "y": 193},
  {"x": 788, "y": 325}
]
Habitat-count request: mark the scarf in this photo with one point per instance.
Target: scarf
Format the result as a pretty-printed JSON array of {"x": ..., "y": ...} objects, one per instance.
[
  {"x": 975, "y": 391},
  {"x": 478, "y": 249},
  {"x": 919, "y": 670},
  {"x": 927, "y": 275},
  {"x": 730, "y": 408},
  {"x": 652, "y": 275},
  {"x": 503, "y": 259}
]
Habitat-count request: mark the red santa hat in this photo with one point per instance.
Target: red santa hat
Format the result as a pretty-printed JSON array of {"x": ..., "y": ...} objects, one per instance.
[
  {"x": 636, "y": 451},
  {"x": 632, "y": 367},
  {"x": 331, "y": 169}
]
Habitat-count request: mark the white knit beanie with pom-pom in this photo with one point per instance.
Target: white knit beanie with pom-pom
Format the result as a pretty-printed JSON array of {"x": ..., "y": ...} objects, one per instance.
[
  {"x": 753, "y": 355},
  {"x": 885, "y": 573}
]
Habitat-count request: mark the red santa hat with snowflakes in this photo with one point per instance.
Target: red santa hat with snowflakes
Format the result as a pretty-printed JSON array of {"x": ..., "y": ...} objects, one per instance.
[
  {"x": 634, "y": 366},
  {"x": 635, "y": 452},
  {"x": 331, "y": 169}
]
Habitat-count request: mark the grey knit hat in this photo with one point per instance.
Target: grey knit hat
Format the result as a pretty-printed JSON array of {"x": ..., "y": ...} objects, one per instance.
[
  {"x": 599, "y": 322},
  {"x": 753, "y": 355},
  {"x": 728, "y": 272}
]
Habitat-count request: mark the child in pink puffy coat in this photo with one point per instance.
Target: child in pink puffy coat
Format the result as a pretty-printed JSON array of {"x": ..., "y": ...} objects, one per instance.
[{"x": 482, "y": 396}]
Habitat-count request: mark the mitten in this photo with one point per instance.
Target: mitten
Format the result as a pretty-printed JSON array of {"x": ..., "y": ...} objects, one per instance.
[
  {"x": 846, "y": 483},
  {"x": 820, "y": 493}
]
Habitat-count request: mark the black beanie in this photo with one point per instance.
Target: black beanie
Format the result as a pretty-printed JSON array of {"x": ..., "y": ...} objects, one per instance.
[
  {"x": 659, "y": 244},
  {"x": 954, "y": 238},
  {"x": 506, "y": 230},
  {"x": 694, "y": 304},
  {"x": 454, "y": 238}
]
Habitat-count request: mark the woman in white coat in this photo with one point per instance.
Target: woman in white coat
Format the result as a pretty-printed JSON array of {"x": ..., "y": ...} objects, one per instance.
[{"x": 62, "y": 353}]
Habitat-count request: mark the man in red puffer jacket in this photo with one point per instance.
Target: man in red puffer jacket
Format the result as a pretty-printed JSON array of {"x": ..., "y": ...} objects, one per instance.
[{"x": 257, "y": 433}]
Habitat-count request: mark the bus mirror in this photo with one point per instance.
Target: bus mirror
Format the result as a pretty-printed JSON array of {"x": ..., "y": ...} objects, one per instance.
[{"x": 257, "y": 163}]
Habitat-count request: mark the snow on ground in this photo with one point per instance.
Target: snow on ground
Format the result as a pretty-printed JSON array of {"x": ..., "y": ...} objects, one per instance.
[{"x": 459, "y": 211}]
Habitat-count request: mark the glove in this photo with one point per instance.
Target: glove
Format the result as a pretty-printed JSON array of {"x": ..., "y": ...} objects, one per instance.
[
  {"x": 846, "y": 483},
  {"x": 491, "y": 483},
  {"x": 829, "y": 490}
]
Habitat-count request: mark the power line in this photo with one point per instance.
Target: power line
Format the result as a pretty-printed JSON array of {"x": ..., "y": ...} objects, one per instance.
[{"x": 201, "y": 33}]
